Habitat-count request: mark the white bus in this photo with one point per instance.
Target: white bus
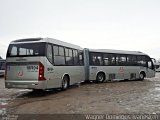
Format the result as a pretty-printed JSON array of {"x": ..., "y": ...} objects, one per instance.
[
  {"x": 102, "y": 65},
  {"x": 43, "y": 63}
]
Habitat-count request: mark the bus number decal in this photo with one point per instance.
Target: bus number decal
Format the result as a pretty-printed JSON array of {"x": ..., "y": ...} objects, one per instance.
[{"x": 32, "y": 68}]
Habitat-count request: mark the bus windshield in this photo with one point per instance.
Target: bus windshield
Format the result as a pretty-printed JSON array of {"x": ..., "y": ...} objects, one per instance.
[{"x": 26, "y": 49}]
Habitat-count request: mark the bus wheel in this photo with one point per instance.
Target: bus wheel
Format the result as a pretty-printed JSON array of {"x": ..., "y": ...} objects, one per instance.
[
  {"x": 65, "y": 83},
  {"x": 141, "y": 76},
  {"x": 100, "y": 78}
]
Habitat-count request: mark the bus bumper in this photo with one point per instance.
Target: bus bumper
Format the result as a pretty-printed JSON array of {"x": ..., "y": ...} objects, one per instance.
[{"x": 26, "y": 84}]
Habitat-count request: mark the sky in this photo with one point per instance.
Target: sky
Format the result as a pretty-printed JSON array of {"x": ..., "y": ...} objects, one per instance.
[{"x": 100, "y": 24}]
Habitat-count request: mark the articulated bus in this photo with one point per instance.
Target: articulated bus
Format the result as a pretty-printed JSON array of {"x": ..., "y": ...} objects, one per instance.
[
  {"x": 102, "y": 65},
  {"x": 43, "y": 63}
]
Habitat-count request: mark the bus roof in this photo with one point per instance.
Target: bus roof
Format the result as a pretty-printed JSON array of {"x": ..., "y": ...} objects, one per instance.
[
  {"x": 117, "y": 51},
  {"x": 61, "y": 43},
  {"x": 48, "y": 40}
]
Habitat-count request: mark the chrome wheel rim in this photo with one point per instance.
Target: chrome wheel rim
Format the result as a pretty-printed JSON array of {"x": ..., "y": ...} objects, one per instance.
[
  {"x": 65, "y": 84},
  {"x": 141, "y": 76},
  {"x": 100, "y": 78}
]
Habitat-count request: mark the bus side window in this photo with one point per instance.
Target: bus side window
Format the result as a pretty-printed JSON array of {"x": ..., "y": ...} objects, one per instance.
[
  {"x": 59, "y": 58},
  {"x": 106, "y": 58},
  {"x": 150, "y": 64},
  {"x": 141, "y": 60},
  {"x": 14, "y": 51},
  {"x": 96, "y": 59},
  {"x": 49, "y": 53},
  {"x": 132, "y": 60},
  {"x": 69, "y": 56},
  {"x": 112, "y": 59},
  {"x": 117, "y": 59},
  {"x": 80, "y": 58},
  {"x": 75, "y": 57},
  {"x": 122, "y": 60}
]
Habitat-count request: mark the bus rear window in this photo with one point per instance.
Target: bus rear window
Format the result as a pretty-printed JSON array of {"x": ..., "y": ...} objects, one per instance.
[{"x": 26, "y": 49}]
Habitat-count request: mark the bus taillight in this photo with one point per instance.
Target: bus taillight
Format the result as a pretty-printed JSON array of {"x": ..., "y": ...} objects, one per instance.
[{"x": 41, "y": 72}]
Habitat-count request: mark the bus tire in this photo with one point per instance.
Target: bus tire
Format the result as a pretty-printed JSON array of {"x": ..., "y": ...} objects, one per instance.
[
  {"x": 65, "y": 83},
  {"x": 100, "y": 77},
  {"x": 141, "y": 75}
]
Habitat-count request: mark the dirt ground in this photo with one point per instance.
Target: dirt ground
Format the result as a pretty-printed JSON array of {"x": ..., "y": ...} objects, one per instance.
[{"x": 125, "y": 97}]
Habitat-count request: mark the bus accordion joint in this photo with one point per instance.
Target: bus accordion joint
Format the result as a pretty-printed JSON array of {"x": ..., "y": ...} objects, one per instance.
[{"x": 41, "y": 72}]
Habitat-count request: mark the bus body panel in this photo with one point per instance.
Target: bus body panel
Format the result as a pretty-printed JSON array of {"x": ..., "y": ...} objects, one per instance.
[
  {"x": 56, "y": 74},
  {"x": 26, "y": 68},
  {"x": 121, "y": 72},
  {"x": 150, "y": 73},
  {"x": 23, "y": 71}
]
